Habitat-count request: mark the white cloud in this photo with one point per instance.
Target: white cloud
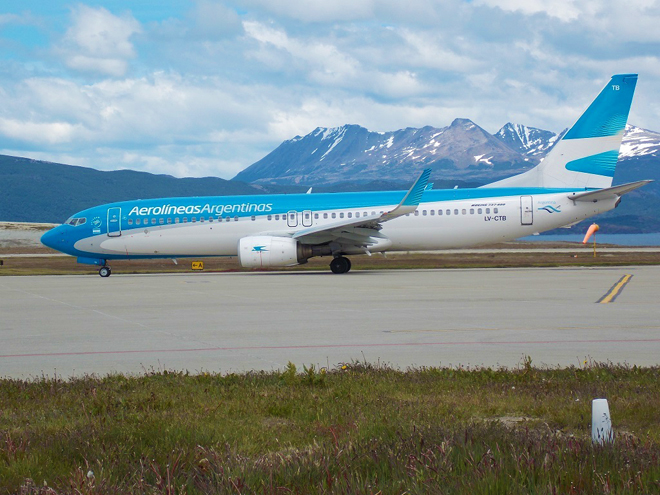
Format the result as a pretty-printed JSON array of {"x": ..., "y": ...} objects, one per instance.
[
  {"x": 211, "y": 90},
  {"x": 98, "y": 41},
  {"x": 565, "y": 10},
  {"x": 38, "y": 132},
  {"x": 326, "y": 62},
  {"x": 317, "y": 11},
  {"x": 215, "y": 20},
  {"x": 430, "y": 51},
  {"x": 9, "y": 19}
]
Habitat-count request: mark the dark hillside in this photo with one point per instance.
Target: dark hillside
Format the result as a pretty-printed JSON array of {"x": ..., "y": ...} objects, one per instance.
[{"x": 37, "y": 191}]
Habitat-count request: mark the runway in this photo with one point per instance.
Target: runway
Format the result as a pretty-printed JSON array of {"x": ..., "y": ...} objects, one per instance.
[{"x": 232, "y": 322}]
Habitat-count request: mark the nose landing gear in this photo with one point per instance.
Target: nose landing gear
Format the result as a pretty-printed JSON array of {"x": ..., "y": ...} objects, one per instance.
[{"x": 340, "y": 264}]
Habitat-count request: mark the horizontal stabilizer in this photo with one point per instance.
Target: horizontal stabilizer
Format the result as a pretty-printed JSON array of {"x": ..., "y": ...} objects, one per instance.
[{"x": 608, "y": 193}]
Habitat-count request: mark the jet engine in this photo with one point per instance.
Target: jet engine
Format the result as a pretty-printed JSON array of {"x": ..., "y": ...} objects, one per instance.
[{"x": 265, "y": 251}]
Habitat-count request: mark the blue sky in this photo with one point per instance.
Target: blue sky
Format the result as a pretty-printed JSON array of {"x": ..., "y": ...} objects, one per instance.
[{"x": 206, "y": 87}]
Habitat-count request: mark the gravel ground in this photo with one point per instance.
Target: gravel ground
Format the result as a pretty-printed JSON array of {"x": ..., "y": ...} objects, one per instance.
[{"x": 16, "y": 235}]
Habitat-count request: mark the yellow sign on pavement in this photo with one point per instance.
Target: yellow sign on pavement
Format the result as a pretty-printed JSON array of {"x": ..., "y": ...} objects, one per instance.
[{"x": 197, "y": 265}]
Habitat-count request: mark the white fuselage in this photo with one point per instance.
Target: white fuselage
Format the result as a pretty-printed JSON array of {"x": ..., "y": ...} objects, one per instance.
[{"x": 434, "y": 226}]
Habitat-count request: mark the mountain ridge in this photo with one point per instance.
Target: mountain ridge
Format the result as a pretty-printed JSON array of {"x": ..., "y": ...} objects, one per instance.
[{"x": 329, "y": 155}]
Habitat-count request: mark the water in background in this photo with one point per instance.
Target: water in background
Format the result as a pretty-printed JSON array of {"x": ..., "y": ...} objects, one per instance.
[{"x": 618, "y": 239}]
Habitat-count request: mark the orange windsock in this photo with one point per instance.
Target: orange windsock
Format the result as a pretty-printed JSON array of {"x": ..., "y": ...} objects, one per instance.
[{"x": 593, "y": 228}]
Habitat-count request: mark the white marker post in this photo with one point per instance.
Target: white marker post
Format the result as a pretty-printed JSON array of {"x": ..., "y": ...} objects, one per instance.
[{"x": 601, "y": 423}]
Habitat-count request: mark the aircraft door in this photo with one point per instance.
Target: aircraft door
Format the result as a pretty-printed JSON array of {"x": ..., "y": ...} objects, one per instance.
[
  {"x": 292, "y": 218},
  {"x": 114, "y": 222},
  {"x": 526, "y": 210},
  {"x": 307, "y": 218}
]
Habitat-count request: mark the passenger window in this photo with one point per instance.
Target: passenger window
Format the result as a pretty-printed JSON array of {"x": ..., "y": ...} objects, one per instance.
[
  {"x": 487, "y": 211},
  {"x": 325, "y": 215},
  {"x": 169, "y": 220},
  {"x": 201, "y": 219},
  {"x": 479, "y": 211},
  {"x": 153, "y": 221},
  {"x": 456, "y": 212},
  {"x": 448, "y": 212},
  {"x": 194, "y": 219},
  {"x": 334, "y": 215},
  {"x": 277, "y": 217},
  {"x": 269, "y": 217},
  {"x": 357, "y": 214},
  {"x": 236, "y": 219},
  {"x": 185, "y": 219},
  {"x": 161, "y": 221},
  {"x": 495, "y": 210},
  {"x": 227, "y": 219},
  {"x": 253, "y": 218},
  {"x": 138, "y": 221},
  {"x": 211, "y": 219},
  {"x": 176, "y": 220},
  {"x": 350, "y": 215},
  {"x": 416, "y": 213},
  {"x": 130, "y": 221},
  {"x": 316, "y": 216},
  {"x": 341, "y": 215},
  {"x": 424, "y": 212},
  {"x": 471, "y": 211},
  {"x": 432, "y": 212},
  {"x": 439, "y": 212}
]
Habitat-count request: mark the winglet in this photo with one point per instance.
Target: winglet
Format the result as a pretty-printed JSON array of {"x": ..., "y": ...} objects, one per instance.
[
  {"x": 414, "y": 195},
  {"x": 412, "y": 198}
]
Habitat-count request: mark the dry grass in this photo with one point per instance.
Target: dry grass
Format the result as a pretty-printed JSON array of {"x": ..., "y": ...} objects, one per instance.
[
  {"x": 356, "y": 429},
  {"x": 581, "y": 256}
]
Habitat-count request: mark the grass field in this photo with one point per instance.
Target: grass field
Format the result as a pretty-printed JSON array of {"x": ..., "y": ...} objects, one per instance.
[
  {"x": 581, "y": 256},
  {"x": 359, "y": 428}
]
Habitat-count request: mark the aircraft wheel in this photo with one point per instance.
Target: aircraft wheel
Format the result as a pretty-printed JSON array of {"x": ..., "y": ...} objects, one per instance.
[
  {"x": 340, "y": 265},
  {"x": 105, "y": 271}
]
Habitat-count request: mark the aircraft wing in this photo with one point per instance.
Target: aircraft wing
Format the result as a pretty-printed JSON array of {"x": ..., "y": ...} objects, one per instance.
[
  {"x": 609, "y": 192},
  {"x": 365, "y": 231}
]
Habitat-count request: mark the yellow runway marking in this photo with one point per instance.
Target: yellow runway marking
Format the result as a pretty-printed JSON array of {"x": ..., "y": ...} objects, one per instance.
[{"x": 615, "y": 290}]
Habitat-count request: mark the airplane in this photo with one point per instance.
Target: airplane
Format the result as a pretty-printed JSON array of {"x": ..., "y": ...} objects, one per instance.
[{"x": 572, "y": 183}]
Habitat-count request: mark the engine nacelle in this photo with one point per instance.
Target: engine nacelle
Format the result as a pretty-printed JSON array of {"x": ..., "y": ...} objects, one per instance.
[{"x": 263, "y": 251}]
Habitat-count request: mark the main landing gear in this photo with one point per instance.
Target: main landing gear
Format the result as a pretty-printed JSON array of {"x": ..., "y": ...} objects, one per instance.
[
  {"x": 105, "y": 271},
  {"x": 340, "y": 264}
]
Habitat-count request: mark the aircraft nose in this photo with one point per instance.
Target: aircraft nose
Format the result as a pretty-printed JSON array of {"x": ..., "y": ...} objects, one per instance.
[{"x": 53, "y": 239}]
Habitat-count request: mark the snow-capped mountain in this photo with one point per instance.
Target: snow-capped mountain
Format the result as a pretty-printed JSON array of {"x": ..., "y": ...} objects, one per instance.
[
  {"x": 638, "y": 142},
  {"x": 528, "y": 141},
  {"x": 462, "y": 151},
  {"x": 326, "y": 156}
]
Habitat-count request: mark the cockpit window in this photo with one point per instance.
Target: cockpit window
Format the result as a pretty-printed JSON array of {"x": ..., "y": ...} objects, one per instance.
[{"x": 75, "y": 221}]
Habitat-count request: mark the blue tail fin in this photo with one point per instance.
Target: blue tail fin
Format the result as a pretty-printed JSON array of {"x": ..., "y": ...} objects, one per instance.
[{"x": 586, "y": 156}]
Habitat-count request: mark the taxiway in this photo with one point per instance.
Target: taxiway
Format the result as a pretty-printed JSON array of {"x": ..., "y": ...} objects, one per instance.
[{"x": 72, "y": 325}]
